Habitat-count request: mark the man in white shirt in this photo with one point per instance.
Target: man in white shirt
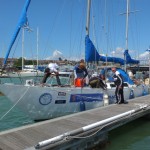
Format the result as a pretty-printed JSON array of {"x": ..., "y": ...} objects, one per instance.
[{"x": 52, "y": 68}]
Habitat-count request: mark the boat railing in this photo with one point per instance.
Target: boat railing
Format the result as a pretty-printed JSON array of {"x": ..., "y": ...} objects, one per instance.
[{"x": 66, "y": 79}]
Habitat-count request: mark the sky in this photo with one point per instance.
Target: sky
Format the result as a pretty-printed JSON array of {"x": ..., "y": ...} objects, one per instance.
[{"x": 61, "y": 28}]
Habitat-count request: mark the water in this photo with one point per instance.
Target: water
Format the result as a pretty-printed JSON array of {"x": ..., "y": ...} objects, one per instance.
[
  {"x": 13, "y": 118},
  {"x": 133, "y": 136}
]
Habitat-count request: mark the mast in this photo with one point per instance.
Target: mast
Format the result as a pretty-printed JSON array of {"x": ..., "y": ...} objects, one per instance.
[
  {"x": 88, "y": 21},
  {"x": 127, "y": 22},
  {"x": 88, "y": 17},
  {"x": 22, "y": 48},
  {"x": 37, "y": 46},
  {"x": 127, "y": 27}
]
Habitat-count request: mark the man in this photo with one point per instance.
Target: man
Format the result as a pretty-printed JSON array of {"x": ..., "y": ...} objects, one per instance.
[
  {"x": 80, "y": 71},
  {"x": 52, "y": 68},
  {"x": 77, "y": 65},
  {"x": 118, "y": 80}
]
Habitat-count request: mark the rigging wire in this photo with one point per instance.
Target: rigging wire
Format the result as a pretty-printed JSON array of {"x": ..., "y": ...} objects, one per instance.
[
  {"x": 58, "y": 13},
  {"x": 76, "y": 42},
  {"x": 94, "y": 36},
  {"x": 135, "y": 32},
  {"x": 70, "y": 52},
  {"x": 16, "y": 45},
  {"x": 82, "y": 22}
]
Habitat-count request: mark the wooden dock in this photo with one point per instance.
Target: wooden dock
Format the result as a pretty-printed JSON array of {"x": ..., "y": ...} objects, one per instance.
[{"x": 60, "y": 132}]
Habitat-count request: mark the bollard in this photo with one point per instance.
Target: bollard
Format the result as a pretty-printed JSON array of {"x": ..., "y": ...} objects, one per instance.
[{"x": 105, "y": 99}]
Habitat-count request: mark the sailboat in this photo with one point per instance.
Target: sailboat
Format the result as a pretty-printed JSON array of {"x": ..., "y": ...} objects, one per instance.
[{"x": 50, "y": 101}]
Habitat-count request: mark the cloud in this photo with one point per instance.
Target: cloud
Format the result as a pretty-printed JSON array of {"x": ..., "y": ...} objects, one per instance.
[
  {"x": 144, "y": 56},
  {"x": 56, "y": 55},
  {"x": 118, "y": 52}
]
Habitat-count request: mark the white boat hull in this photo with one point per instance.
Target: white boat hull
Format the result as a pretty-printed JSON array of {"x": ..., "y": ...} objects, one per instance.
[
  {"x": 42, "y": 103},
  {"x": 26, "y": 74}
]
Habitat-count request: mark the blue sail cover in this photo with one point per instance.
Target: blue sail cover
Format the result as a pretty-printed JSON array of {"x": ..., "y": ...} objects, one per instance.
[
  {"x": 91, "y": 54},
  {"x": 129, "y": 60},
  {"x": 112, "y": 59},
  {"x": 125, "y": 76},
  {"x": 22, "y": 22}
]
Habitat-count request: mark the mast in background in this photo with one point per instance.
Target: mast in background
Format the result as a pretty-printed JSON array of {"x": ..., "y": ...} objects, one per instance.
[
  {"x": 22, "y": 48},
  {"x": 127, "y": 29},
  {"x": 23, "y": 21}
]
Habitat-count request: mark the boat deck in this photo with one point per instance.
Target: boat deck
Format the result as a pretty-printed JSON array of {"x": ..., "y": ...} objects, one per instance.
[{"x": 28, "y": 136}]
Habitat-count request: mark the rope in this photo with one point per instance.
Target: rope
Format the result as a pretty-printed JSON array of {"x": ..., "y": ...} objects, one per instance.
[
  {"x": 14, "y": 104},
  {"x": 80, "y": 137}
]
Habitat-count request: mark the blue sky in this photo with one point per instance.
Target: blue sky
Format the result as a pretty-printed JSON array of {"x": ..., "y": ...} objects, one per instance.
[{"x": 61, "y": 25}]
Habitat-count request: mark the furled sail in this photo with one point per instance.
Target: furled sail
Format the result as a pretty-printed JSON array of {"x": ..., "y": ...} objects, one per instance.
[
  {"x": 91, "y": 54},
  {"x": 23, "y": 22},
  {"x": 129, "y": 60}
]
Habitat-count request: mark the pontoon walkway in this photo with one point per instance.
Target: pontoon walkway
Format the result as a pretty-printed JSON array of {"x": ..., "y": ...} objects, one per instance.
[{"x": 62, "y": 132}]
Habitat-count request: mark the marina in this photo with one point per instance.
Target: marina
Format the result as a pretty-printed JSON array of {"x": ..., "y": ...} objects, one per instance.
[
  {"x": 63, "y": 132},
  {"x": 39, "y": 113},
  {"x": 44, "y": 100}
]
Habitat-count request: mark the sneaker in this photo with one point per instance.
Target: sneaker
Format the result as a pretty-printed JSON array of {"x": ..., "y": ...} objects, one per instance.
[
  {"x": 125, "y": 102},
  {"x": 120, "y": 103}
]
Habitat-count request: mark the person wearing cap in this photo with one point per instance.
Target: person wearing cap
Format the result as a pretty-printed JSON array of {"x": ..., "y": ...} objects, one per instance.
[
  {"x": 81, "y": 61},
  {"x": 118, "y": 80},
  {"x": 80, "y": 71},
  {"x": 52, "y": 68}
]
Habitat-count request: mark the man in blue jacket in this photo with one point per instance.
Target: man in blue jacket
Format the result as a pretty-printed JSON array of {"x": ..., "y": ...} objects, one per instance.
[{"x": 80, "y": 71}]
